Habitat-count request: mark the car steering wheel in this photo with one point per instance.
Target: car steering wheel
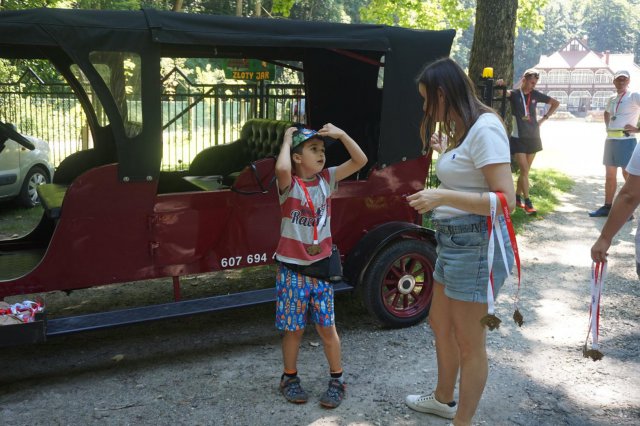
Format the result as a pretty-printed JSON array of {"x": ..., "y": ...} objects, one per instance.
[{"x": 9, "y": 132}]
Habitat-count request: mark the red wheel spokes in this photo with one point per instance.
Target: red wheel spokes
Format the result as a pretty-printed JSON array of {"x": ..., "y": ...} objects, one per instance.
[{"x": 404, "y": 305}]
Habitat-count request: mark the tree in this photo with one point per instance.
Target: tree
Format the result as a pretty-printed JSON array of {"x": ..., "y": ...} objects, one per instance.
[
  {"x": 494, "y": 38},
  {"x": 561, "y": 23},
  {"x": 611, "y": 25},
  {"x": 458, "y": 14}
]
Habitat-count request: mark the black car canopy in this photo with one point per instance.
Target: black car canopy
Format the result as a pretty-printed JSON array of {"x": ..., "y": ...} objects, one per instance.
[{"x": 335, "y": 85}]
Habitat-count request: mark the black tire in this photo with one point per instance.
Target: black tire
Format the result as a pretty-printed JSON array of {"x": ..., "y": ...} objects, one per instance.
[
  {"x": 398, "y": 285},
  {"x": 28, "y": 196}
]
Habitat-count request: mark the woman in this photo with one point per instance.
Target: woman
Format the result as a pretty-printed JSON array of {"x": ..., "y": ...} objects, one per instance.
[
  {"x": 525, "y": 138},
  {"x": 474, "y": 161}
]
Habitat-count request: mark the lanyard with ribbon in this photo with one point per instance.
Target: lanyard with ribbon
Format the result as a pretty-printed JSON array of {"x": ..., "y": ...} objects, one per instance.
[
  {"x": 525, "y": 105},
  {"x": 598, "y": 272},
  {"x": 491, "y": 320},
  {"x": 314, "y": 248},
  {"x": 618, "y": 105}
]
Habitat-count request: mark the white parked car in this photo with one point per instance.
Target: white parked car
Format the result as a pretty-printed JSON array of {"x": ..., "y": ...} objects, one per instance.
[{"x": 24, "y": 164}]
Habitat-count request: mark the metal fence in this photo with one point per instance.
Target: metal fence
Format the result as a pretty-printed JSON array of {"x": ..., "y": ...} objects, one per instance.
[
  {"x": 49, "y": 111},
  {"x": 195, "y": 116}
]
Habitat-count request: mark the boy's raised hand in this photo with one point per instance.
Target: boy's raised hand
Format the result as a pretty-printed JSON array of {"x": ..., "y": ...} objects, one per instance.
[
  {"x": 288, "y": 135},
  {"x": 358, "y": 158},
  {"x": 331, "y": 131},
  {"x": 283, "y": 162}
]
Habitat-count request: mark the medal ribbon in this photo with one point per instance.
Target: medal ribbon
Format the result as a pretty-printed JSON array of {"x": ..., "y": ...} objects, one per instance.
[
  {"x": 492, "y": 224},
  {"x": 615, "y": 113},
  {"x": 598, "y": 272},
  {"x": 316, "y": 224},
  {"x": 525, "y": 105}
]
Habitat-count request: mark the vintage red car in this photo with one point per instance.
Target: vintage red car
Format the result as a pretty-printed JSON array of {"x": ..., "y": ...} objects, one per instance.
[{"x": 117, "y": 212}]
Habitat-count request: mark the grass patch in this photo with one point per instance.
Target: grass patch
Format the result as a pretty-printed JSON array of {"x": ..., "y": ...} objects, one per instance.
[
  {"x": 18, "y": 221},
  {"x": 545, "y": 188}
]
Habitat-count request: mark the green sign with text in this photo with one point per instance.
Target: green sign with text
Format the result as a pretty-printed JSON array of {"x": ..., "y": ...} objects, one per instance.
[{"x": 249, "y": 69}]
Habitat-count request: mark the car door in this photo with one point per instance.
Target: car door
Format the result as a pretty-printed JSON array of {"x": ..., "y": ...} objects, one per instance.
[{"x": 10, "y": 169}]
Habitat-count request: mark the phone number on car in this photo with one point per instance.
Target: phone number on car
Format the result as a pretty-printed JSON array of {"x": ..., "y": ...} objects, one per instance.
[{"x": 251, "y": 259}]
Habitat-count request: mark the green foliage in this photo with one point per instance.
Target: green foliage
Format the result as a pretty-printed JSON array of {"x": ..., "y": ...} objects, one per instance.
[
  {"x": 28, "y": 4},
  {"x": 18, "y": 221},
  {"x": 529, "y": 14},
  {"x": 561, "y": 24},
  {"x": 282, "y": 7},
  {"x": 611, "y": 25},
  {"x": 434, "y": 15},
  {"x": 108, "y": 4}
]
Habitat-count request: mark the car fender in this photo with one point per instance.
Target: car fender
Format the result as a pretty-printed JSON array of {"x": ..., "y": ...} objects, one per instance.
[{"x": 376, "y": 240}]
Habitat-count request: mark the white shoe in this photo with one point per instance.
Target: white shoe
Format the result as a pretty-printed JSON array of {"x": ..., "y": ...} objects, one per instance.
[{"x": 429, "y": 404}]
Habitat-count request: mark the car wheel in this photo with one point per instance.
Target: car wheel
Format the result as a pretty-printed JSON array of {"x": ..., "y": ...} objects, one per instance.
[
  {"x": 398, "y": 285},
  {"x": 28, "y": 195}
]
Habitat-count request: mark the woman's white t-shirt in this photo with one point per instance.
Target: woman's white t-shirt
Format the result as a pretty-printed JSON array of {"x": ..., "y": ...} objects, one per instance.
[{"x": 459, "y": 169}]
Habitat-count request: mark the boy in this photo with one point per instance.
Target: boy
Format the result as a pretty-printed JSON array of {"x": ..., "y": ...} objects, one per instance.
[{"x": 304, "y": 188}]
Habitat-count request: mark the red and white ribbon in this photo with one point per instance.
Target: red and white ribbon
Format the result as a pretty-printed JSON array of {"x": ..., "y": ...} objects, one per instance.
[
  {"x": 598, "y": 273},
  {"x": 317, "y": 223},
  {"x": 493, "y": 225},
  {"x": 25, "y": 311}
]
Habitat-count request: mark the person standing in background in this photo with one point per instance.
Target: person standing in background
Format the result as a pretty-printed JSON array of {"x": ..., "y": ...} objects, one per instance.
[{"x": 525, "y": 139}]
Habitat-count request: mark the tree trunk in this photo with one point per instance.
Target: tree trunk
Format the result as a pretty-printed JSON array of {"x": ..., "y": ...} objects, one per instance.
[
  {"x": 258, "y": 8},
  {"x": 177, "y": 6},
  {"x": 239, "y": 7},
  {"x": 494, "y": 39}
]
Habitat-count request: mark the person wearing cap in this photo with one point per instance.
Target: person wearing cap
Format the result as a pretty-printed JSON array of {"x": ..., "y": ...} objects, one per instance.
[
  {"x": 621, "y": 118},
  {"x": 304, "y": 190},
  {"x": 525, "y": 139}
]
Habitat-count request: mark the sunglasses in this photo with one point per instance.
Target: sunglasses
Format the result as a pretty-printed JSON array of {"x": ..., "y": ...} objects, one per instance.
[{"x": 533, "y": 74}]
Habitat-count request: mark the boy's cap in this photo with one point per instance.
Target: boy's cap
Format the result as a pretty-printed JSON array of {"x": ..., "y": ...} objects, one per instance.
[
  {"x": 302, "y": 135},
  {"x": 621, "y": 73}
]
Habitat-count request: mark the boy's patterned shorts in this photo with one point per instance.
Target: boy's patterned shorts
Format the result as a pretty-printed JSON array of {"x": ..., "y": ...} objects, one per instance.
[{"x": 299, "y": 295}]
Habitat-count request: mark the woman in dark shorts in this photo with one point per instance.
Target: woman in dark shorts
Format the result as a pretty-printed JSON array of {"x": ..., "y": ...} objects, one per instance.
[{"x": 525, "y": 137}]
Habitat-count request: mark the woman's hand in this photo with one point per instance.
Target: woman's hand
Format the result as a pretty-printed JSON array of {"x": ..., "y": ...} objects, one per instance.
[
  {"x": 438, "y": 142},
  {"x": 425, "y": 200},
  {"x": 631, "y": 129}
]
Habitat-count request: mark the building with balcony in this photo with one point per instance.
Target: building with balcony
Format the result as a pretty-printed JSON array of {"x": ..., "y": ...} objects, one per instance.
[{"x": 582, "y": 79}]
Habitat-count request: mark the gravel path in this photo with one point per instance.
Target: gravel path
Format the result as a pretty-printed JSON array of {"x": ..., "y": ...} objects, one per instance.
[{"x": 223, "y": 369}]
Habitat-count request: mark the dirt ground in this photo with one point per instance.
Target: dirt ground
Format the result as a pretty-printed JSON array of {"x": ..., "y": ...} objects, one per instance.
[{"x": 223, "y": 369}]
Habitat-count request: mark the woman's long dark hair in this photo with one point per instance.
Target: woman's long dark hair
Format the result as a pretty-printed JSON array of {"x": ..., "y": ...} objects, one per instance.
[{"x": 459, "y": 96}]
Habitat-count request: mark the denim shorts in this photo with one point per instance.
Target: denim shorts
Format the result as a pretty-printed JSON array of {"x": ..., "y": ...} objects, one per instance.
[
  {"x": 617, "y": 152},
  {"x": 462, "y": 257}
]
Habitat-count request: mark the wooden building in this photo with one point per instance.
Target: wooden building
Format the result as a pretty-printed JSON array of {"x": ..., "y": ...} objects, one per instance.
[{"x": 582, "y": 79}]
